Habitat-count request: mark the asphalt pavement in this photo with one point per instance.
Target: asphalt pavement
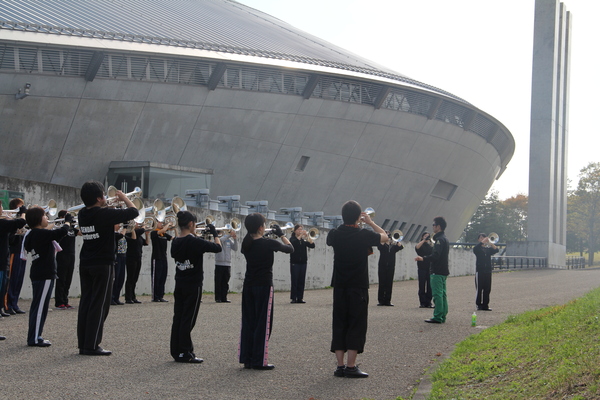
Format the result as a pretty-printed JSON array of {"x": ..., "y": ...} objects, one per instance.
[{"x": 401, "y": 348}]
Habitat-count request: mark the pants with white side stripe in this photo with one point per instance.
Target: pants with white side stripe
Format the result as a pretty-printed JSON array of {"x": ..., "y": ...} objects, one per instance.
[{"x": 42, "y": 291}]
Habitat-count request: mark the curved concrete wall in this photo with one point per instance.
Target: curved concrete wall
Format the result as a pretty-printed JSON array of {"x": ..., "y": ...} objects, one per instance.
[{"x": 68, "y": 130}]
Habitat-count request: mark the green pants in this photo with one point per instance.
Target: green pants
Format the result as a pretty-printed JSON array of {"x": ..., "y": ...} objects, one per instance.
[{"x": 440, "y": 300}]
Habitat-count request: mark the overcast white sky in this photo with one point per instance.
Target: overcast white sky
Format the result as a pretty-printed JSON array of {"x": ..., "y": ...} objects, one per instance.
[{"x": 479, "y": 50}]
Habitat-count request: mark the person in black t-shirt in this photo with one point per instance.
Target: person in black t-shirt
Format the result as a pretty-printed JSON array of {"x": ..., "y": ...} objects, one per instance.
[
  {"x": 386, "y": 268},
  {"x": 41, "y": 243},
  {"x": 351, "y": 248},
  {"x": 136, "y": 240},
  {"x": 188, "y": 251},
  {"x": 96, "y": 268},
  {"x": 7, "y": 227},
  {"x": 257, "y": 294},
  {"x": 17, "y": 266},
  {"x": 65, "y": 265},
  {"x": 423, "y": 249},
  {"x": 159, "y": 267},
  {"x": 298, "y": 262}
]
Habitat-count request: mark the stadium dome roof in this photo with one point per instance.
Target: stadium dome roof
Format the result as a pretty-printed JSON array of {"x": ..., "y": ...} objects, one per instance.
[{"x": 221, "y": 26}]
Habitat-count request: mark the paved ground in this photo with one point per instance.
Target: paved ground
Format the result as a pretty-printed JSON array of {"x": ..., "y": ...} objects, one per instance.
[{"x": 400, "y": 346}]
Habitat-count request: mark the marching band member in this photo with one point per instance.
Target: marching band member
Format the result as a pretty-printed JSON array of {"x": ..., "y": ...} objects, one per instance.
[
  {"x": 257, "y": 294},
  {"x": 351, "y": 248},
  {"x": 424, "y": 248},
  {"x": 159, "y": 266},
  {"x": 17, "y": 266},
  {"x": 96, "y": 269},
  {"x": 188, "y": 251},
  {"x": 65, "y": 265},
  {"x": 484, "y": 250},
  {"x": 136, "y": 240},
  {"x": 298, "y": 262},
  {"x": 42, "y": 244},
  {"x": 7, "y": 226},
  {"x": 223, "y": 266},
  {"x": 386, "y": 269},
  {"x": 120, "y": 264}
]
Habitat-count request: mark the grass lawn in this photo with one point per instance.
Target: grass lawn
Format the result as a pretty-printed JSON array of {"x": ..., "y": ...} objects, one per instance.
[{"x": 552, "y": 353}]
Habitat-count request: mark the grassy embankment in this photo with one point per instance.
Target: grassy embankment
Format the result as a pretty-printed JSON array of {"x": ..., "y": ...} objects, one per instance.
[{"x": 552, "y": 353}]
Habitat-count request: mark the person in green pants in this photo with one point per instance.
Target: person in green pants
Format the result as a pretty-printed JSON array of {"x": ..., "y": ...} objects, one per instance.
[{"x": 439, "y": 271}]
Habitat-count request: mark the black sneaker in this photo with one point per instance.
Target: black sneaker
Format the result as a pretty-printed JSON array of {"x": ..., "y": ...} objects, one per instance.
[
  {"x": 339, "y": 371},
  {"x": 354, "y": 372}
]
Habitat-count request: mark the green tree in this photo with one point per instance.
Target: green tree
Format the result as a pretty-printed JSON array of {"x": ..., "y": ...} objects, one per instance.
[
  {"x": 586, "y": 206},
  {"x": 508, "y": 218}
]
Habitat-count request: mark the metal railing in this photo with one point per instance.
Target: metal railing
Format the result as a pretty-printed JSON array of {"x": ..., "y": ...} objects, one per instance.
[
  {"x": 574, "y": 262},
  {"x": 518, "y": 262}
]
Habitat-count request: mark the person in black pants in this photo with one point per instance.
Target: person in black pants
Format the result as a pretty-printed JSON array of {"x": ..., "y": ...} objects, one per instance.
[
  {"x": 7, "y": 227},
  {"x": 40, "y": 242},
  {"x": 120, "y": 264},
  {"x": 65, "y": 265},
  {"x": 257, "y": 292},
  {"x": 159, "y": 267},
  {"x": 386, "y": 270},
  {"x": 136, "y": 240},
  {"x": 424, "y": 248},
  {"x": 351, "y": 248},
  {"x": 17, "y": 265},
  {"x": 96, "y": 263},
  {"x": 484, "y": 250},
  {"x": 188, "y": 251},
  {"x": 298, "y": 261},
  {"x": 223, "y": 266}
]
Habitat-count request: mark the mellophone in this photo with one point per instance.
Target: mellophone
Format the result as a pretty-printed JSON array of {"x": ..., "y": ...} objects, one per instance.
[{"x": 149, "y": 217}]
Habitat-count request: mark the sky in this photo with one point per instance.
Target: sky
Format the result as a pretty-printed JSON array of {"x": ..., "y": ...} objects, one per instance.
[{"x": 479, "y": 50}]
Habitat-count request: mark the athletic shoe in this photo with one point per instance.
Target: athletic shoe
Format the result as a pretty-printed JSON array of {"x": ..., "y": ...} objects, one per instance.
[{"x": 61, "y": 307}]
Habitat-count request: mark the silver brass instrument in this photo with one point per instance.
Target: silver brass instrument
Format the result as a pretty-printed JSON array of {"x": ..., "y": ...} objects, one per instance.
[
  {"x": 493, "y": 238},
  {"x": 156, "y": 210},
  {"x": 397, "y": 235},
  {"x": 234, "y": 225},
  {"x": 313, "y": 233},
  {"x": 370, "y": 212},
  {"x": 113, "y": 200},
  {"x": 269, "y": 231},
  {"x": 208, "y": 220},
  {"x": 51, "y": 209}
]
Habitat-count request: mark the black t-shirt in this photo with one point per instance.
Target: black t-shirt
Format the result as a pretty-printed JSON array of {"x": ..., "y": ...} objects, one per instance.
[
  {"x": 97, "y": 226},
  {"x": 423, "y": 251},
  {"x": 259, "y": 261},
  {"x": 188, "y": 253},
  {"x": 299, "y": 255},
  {"x": 351, "y": 249},
  {"x": 7, "y": 227},
  {"x": 387, "y": 254},
  {"x": 159, "y": 245},
  {"x": 68, "y": 242},
  {"x": 39, "y": 242},
  {"x": 134, "y": 246}
]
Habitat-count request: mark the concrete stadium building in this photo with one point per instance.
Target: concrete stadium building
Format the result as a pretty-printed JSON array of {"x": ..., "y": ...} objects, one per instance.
[{"x": 239, "y": 102}]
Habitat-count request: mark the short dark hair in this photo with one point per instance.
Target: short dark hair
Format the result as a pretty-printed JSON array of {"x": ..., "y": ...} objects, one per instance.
[
  {"x": 34, "y": 216},
  {"x": 15, "y": 203},
  {"x": 440, "y": 221},
  {"x": 61, "y": 214},
  {"x": 90, "y": 192},
  {"x": 351, "y": 212},
  {"x": 424, "y": 233},
  {"x": 481, "y": 235},
  {"x": 184, "y": 218}
]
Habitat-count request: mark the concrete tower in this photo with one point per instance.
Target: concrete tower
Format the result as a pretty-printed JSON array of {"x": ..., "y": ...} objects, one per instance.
[{"x": 547, "y": 213}]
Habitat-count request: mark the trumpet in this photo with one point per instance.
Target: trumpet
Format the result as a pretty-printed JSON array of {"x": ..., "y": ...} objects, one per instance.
[
  {"x": 234, "y": 225},
  {"x": 370, "y": 212},
  {"x": 269, "y": 231},
  {"x": 397, "y": 235}
]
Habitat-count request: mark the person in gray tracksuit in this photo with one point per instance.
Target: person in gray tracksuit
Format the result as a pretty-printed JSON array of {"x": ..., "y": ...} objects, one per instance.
[{"x": 223, "y": 266}]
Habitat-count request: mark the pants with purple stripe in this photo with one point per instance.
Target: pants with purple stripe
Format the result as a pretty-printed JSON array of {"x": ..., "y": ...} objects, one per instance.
[
  {"x": 257, "y": 320},
  {"x": 42, "y": 291}
]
